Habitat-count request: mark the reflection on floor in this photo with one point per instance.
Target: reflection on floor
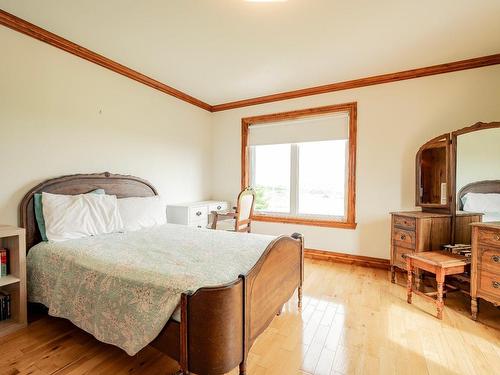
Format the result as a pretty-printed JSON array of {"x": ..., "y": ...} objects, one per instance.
[{"x": 354, "y": 321}]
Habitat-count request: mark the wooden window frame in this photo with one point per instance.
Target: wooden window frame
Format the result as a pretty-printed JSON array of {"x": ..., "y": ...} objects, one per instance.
[{"x": 350, "y": 108}]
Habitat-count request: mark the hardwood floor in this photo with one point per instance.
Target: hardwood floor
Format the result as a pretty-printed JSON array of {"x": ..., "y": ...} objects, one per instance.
[{"x": 354, "y": 321}]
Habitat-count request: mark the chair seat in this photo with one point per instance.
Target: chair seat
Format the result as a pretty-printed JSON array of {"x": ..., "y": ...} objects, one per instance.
[{"x": 224, "y": 225}]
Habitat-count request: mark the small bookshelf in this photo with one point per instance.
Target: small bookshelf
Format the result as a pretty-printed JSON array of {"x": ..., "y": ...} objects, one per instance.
[{"x": 13, "y": 239}]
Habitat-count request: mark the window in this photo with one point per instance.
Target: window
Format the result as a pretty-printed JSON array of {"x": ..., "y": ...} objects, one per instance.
[{"x": 301, "y": 165}]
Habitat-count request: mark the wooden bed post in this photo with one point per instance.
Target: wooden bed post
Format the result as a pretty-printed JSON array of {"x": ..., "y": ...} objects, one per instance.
[
  {"x": 184, "y": 346},
  {"x": 300, "y": 237},
  {"x": 243, "y": 364}
]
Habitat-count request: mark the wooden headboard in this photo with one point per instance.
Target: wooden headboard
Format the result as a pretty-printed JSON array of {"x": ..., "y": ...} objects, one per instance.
[
  {"x": 486, "y": 186},
  {"x": 113, "y": 184}
]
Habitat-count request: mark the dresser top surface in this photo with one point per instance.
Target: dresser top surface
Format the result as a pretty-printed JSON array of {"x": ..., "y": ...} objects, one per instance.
[
  {"x": 199, "y": 203},
  {"x": 419, "y": 214},
  {"x": 491, "y": 225}
]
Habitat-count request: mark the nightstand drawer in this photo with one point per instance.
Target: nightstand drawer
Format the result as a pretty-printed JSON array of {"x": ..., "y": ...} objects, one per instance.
[
  {"x": 403, "y": 238},
  {"x": 218, "y": 206},
  {"x": 405, "y": 222},
  {"x": 489, "y": 237},
  {"x": 199, "y": 213},
  {"x": 198, "y": 224}
]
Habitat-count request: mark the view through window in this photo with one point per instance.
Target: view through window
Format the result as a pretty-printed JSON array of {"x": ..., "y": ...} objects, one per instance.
[
  {"x": 320, "y": 183},
  {"x": 299, "y": 168}
]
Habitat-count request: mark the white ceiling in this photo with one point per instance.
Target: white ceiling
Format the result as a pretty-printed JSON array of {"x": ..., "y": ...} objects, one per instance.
[{"x": 225, "y": 50}]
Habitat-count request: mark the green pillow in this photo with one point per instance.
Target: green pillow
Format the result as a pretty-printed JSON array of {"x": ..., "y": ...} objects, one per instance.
[{"x": 39, "y": 211}]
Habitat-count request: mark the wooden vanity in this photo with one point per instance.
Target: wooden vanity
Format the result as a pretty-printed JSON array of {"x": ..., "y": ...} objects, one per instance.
[
  {"x": 457, "y": 186},
  {"x": 485, "y": 266},
  {"x": 415, "y": 231}
]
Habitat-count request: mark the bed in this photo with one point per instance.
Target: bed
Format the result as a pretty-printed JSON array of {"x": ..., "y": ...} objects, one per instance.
[
  {"x": 486, "y": 199},
  {"x": 215, "y": 325}
]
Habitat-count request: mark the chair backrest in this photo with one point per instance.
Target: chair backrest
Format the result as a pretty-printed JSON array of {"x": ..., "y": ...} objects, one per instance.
[{"x": 244, "y": 209}]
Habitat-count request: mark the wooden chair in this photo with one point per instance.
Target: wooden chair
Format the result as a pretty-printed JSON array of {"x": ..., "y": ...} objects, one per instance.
[{"x": 239, "y": 220}]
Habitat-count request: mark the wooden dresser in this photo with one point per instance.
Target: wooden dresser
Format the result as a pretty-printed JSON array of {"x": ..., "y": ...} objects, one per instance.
[
  {"x": 415, "y": 231},
  {"x": 485, "y": 266}
]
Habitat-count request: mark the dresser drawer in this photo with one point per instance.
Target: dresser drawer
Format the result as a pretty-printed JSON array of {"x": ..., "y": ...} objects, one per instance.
[
  {"x": 489, "y": 283},
  {"x": 198, "y": 224},
  {"x": 198, "y": 213},
  {"x": 489, "y": 237},
  {"x": 398, "y": 260},
  {"x": 405, "y": 222},
  {"x": 403, "y": 238},
  {"x": 490, "y": 260},
  {"x": 220, "y": 206}
]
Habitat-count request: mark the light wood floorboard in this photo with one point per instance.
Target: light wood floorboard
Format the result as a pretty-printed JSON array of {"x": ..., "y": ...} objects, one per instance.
[{"x": 353, "y": 321}]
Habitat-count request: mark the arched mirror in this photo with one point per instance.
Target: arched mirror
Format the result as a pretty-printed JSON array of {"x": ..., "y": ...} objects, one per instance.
[
  {"x": 476, "y": 152},
  {"x": 432, "y": 174}
]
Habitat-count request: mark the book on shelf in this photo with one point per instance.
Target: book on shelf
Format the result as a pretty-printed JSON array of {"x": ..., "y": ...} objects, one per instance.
[
  {"x": 4, "y": 262},
  {"x": 4, "y": 305}
]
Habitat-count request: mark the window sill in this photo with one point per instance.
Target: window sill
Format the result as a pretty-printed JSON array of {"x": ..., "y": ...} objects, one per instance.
[{"x": 305, "y": 221}]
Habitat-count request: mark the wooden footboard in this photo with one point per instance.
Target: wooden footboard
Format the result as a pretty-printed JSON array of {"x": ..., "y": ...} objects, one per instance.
[
  {"x": 271, "y": 283},
  {"x": 220, "y": 324}
]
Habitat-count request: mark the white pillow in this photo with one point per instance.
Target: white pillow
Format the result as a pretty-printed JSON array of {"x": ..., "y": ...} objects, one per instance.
[
  {"x": 481, "y": 202},
  {"x": 142, "y": 212},
  {"x": 77, "y": 216}
]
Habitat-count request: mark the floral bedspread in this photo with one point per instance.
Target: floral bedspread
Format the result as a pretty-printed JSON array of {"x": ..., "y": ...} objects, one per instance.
[{"x": 123, "y": 287}]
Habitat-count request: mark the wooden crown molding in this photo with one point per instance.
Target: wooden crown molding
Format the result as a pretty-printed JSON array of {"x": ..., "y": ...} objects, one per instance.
[
  {"x": 27, "y": 28},
  {"x": 367, "y": 81},
  {"x": 18, "y": 24},
  {"x": 358, "y": 260}
]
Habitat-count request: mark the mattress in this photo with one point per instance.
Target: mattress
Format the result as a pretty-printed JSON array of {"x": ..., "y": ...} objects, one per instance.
[{"x": 123, "y": 287}]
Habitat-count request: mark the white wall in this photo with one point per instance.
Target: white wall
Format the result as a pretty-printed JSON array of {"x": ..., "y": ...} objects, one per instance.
[
  {"x": 61, "y": 115},
  {"x": 393, "y": 121},
  {"x": 478, "y": 157}
]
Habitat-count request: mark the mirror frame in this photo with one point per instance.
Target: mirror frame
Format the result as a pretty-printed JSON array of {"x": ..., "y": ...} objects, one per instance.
[
  {"x": 454, "y": 142},
  {"x": 436, "y": 207}
]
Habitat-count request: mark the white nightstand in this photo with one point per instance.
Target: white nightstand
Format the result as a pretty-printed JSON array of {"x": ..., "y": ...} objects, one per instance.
[{"x": 194, "y": 214}]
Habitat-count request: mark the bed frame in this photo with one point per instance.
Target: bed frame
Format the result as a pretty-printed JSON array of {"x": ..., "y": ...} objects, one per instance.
[
  {"x": 218, "y": 324},
  {"x": 486, "y": 186}
]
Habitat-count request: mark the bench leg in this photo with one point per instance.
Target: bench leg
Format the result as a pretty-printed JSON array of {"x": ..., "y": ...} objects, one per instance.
[
  {"x": 409, "y": 282},
  {"x": 439, "y": 301}
]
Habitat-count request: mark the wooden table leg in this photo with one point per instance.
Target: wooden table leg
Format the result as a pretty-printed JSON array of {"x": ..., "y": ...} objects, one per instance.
[
  {"x": 439, "y": 301},
  {"x": 409, "y": 283},
  {"x": 473, "y": 307}
]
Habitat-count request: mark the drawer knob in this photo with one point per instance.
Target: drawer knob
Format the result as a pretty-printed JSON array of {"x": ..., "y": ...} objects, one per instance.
[
  {"x": 219, "y": 207},
  {"x": 198, "y": 213},
  {"x": 495, "y": 258},
  {"x": 496, "y": 284},
  {"x": 497, "y": 237},
  {"x": 403, "y": 237}
]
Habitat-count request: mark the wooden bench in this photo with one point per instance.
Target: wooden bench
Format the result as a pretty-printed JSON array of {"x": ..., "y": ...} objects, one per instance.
[{"x": 440, "y": 263}]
